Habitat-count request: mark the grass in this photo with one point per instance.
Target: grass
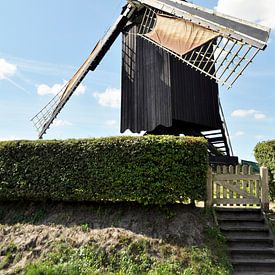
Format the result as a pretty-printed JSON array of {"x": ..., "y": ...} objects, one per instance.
[
  {"x": 84, "y": 227},
  {"x": 136, "y": 257},
  {"x": 122, "y": 253},
  {"x": 9, "y": 256}
]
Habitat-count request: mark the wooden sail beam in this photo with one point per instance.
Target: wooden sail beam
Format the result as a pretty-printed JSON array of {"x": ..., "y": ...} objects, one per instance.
[{"x": 46, "y": 116}]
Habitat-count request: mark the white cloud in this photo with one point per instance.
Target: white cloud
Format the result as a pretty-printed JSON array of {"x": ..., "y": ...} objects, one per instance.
[
  {"x": 44, "y": 89},
  {"x": 81, "y": 89},
  {"x": 6, "y": 69},
  {"x": 242, "y": 113},
  {"x": 261, "y": 12},
  {"x": 60, "y": 122},
  {"x": 109, "y": 98},
  {"x": 260, "y": 116}
]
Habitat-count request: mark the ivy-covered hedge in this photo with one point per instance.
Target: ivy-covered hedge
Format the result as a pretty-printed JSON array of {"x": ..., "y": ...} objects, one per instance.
[
  {"x": 265, "y": 154},
  {"x": 149, "y": 169}
]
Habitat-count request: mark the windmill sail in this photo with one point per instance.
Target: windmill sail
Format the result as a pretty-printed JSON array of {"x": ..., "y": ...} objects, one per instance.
[
  {"x": 179, "y": 35},
  {"x": 233, "y": 45},
  {"x": 46, "y": 116}
]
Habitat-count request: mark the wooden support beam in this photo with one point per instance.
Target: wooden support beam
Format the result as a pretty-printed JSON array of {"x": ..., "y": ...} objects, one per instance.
[
  {"x": 209, "y": 187},
  {"x": 265, "y": 189}
]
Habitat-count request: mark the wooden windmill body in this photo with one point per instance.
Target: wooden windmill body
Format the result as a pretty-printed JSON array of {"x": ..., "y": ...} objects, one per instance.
[{"x": 174, "y": 55}]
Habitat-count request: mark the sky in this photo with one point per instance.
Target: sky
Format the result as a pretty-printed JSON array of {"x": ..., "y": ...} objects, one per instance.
[{"x": 42, "y": 44}]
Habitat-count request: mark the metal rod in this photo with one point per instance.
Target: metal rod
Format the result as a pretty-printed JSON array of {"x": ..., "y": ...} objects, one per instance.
[
  {"x": 238, "y": 64},
  {"x": 142, "y": 22},
  {"x": 216, "y": 59},
  {"x": 150, "y": 24},
  {"x": 212, "y": 54},
  {"x": 145, "y": 30},
  {"x": 190, "y": 59},
  {"x": 151, "y": 17},
  {"x": 198, "y": 54},
  {"x": 230, "y": 61},
  {"x": 143, "y": 25},
  {"x": 240, "y": 73},
  {"x": 225, "y": 58},
  {"x": 205, "y": 57},
  {"x": 205, "y": 53},
  {"x": 146, "y": 21}
]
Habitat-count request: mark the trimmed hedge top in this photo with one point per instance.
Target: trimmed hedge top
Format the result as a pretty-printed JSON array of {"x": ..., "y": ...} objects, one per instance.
[{"x": 149, "y": 169}]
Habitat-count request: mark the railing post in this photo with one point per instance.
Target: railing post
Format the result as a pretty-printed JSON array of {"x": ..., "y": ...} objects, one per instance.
[
  {"x": 265, "y": 189},
  {"x": 209, "y": 187}
]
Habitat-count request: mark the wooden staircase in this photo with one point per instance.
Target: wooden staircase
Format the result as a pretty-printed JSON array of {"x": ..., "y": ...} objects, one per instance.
[
  {"x": 218, "y": 143},
  {"x": 250, "y": 242}
]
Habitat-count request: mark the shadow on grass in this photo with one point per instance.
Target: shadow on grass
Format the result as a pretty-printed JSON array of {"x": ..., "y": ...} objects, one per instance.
[
  {"x": 176, "y": 223},
  {"x": 176, "y": 230}
]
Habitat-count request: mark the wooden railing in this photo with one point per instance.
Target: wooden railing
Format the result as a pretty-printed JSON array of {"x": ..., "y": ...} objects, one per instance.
[{"x": 237, "y": 186}]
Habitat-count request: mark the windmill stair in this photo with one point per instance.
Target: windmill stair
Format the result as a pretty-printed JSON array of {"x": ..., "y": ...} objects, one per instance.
[
  {"x": 217, "y": 141},
  {"x": 249, "y": 240}
]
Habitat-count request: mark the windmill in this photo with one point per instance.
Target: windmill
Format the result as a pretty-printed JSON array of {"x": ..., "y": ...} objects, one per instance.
[{"x": 174, "y": 57}]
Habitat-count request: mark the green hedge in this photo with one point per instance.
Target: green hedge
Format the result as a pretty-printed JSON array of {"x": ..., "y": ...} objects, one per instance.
[
  {"x": 149, "y": 169},
  {"x": 265, "y": 154}
]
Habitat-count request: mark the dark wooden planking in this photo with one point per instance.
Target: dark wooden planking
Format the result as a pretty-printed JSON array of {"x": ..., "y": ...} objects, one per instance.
[
  {"x": 146, "y": 88},
  {"x": 194, "y": 96},
  {"x": 158, "y": 89}
]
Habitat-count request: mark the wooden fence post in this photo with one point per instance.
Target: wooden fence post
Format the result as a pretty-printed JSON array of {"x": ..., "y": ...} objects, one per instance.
[
  {"x": 265, "y": 189},
  {"x": 209, "y": 188}
]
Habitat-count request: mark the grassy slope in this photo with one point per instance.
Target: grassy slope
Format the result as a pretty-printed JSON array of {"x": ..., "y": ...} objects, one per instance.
[{"x": 113, "y": 238}]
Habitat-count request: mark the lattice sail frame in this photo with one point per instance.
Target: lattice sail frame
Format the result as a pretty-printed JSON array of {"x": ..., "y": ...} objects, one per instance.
[
  {"x": 45, "y": 114},
  {"x": 223, "y": 59}
]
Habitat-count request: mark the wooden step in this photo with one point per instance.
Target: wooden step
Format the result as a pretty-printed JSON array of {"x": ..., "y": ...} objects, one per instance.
[
  {"x": 250, "y": 239},
  {"x": 250, "y": 244},
  {"x": 246, "y": 234},
  {"x": 242, "y": 224},
  {"x": 244, "y": 217},
  {"x": 237, "y": 209},
  {"x": 254, "y": 265},
  {"x": 259, "y": 253},
  {"x": 227, "y": 228}
]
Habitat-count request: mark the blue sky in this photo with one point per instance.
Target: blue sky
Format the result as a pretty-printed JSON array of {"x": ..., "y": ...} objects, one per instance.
[{"x": 42, "y": 43}]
